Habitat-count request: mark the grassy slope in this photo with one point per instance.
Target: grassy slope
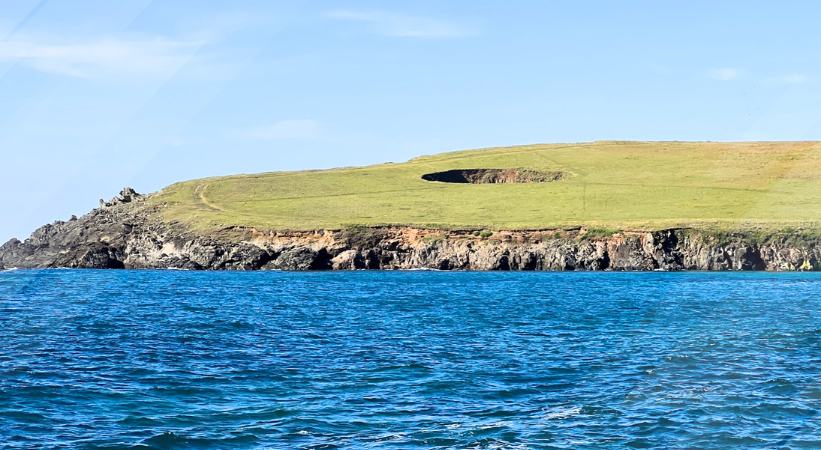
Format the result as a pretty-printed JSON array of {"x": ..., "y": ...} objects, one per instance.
[{"x": 614, "y": 185}]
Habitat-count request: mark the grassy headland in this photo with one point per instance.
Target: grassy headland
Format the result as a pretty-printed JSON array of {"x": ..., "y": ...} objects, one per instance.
[{"x": 761, "y": 186}]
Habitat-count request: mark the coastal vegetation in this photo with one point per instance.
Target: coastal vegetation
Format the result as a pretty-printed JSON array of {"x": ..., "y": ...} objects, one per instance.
[{"x": 757, "y": 187}]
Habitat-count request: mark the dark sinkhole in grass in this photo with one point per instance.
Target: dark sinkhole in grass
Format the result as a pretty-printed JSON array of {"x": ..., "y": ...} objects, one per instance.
[{"x": 494, "y": 176}]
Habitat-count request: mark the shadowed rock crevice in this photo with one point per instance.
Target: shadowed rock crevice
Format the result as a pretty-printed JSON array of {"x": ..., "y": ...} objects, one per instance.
[{"x": 494, "y": 176}]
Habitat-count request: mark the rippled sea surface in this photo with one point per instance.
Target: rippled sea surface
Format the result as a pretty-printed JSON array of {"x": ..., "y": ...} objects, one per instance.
[{"x": 161, "y": 359}]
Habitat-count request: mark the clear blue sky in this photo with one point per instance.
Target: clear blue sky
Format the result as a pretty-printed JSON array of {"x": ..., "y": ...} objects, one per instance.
[{"x": 95, "y": 95}]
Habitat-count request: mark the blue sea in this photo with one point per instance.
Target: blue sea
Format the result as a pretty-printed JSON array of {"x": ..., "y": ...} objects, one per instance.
[{"x": 396, "y": 360}]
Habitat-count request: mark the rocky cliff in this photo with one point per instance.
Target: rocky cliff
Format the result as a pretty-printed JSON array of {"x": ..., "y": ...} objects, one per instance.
[{"x": 129, "y": 232}]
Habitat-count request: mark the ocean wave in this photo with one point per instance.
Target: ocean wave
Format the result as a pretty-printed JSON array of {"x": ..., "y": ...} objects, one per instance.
[{"x": 563, "y": 413}]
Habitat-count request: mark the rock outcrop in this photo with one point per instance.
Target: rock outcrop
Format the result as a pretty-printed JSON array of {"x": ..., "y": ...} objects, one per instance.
[
  {"x": 127, "y": 195},
  {"x": 129, "y": 232}
]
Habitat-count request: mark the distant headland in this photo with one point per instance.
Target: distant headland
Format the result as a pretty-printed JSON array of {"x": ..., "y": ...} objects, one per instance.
[{"x": 609, "y": 205}]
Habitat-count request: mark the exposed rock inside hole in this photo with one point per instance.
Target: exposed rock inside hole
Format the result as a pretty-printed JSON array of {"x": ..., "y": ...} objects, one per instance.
[{"x": 494, "y": 176}]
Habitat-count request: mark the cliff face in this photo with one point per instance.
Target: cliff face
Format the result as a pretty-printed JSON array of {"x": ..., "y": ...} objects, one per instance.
[{"x": 129, "y": 233}]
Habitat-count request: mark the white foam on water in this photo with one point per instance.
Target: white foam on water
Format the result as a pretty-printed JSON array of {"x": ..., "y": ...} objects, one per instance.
[{"x": 562, "y": 413}]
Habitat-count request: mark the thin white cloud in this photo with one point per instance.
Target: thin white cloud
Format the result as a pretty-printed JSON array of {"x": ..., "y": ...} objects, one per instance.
[
  {"x": 400, "y": 25},
  {"x": 731, "y": 74},
  {"x": 102, "y": 57},
  {"x": 793, "y": 78},
  {"x": 290, "y": 129},
  {"x": 725, "y": 73}
]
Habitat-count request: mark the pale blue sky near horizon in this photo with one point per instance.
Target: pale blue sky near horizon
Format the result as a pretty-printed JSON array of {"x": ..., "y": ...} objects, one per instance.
[{"x": 97, "y": 95}]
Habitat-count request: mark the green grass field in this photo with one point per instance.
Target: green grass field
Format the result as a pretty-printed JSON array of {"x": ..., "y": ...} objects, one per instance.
[{"x": 610, "y": 185}]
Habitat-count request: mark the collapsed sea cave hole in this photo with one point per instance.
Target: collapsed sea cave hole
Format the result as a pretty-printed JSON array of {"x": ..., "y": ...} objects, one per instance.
[{"x": 494, "y": 176}]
